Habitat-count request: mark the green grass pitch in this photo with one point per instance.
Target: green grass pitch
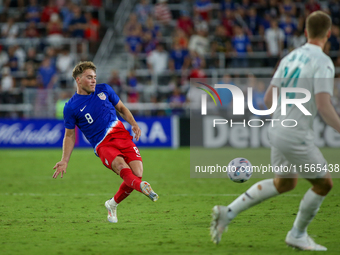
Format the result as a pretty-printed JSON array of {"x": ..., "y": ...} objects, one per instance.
[{"x": 41, "y": 215}]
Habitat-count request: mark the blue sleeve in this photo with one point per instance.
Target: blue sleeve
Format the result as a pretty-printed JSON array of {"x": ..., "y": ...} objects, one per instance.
[
  {"x": 113, "y": 97},
  {"x": 172, "y": 55},
  {"x": 185, "y": 53},
  {"x": 69, "y": 120}
]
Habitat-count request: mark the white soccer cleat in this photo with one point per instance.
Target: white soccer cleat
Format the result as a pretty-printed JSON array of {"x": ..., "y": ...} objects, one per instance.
[
  {"x": 111, "y": 207},
  {"x": 305, "y": 243},
  {"x": 147, "y": 191},
  {"x": 219, "y": 223}
]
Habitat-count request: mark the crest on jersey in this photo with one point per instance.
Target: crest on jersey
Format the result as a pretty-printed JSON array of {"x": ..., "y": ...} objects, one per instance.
[{"x": 102, "y": 96}]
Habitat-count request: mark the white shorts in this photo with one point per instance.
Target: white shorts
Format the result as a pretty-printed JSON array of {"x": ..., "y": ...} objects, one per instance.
[{"x": 304, "y": 159}]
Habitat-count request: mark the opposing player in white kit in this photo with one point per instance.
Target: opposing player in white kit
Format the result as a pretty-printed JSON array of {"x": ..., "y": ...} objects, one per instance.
[{"x": 309, "y": 68}]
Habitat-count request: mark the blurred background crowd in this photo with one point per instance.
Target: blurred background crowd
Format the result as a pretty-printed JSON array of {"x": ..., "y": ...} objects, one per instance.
[{"x": 165, "y": 43}]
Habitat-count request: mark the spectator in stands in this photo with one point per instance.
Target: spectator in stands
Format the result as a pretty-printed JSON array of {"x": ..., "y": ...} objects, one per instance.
[
  {"x": 78, "y": 23},
  {"x": 162, "y": 12},
  {"x": 275, "y": 38},
  {"x": 150, "y": 26},
  {"x": 288, "y": 26},
  {"x": 229, "y": 21},
  {"x": 149, "y": 43},
  {"x": 47, "y": 74},
  {"x": 54, "y": 31},
  {"x": 220, "y": 41},
  {"x": 48, "y": 10},
  {"x": 33, "y": 12},
  {"x": 30, "y": 79},
  {"x": 3, "y": 57},
  {"x": 262, "y": 8},
  {"x": 287, "y": 8},
  {"x": 197, "y": 60},
  {"x": 132, "y": 88},
  {"x": 241, "y": 45},
  {"x": 6, "y": 86},
  {"x": 181, "y": 38},
  {"x": 52, "y": 55},
  {"x": 298, "y": 39},
  {"x": 265, "y": 22},
  {"x": 131, "y": 25},
  {"x": 253, "y": 21},
  {"x": 273, "y": 9},
  {"x": 179, "y": 58},
  {"x": 203, "y": 8},
  {"x": 13, "y": 61},
  {"x": 10, "y": 30},
  {"x": 32, "y": 59},
  {"x": 66, "y": 13},
  {"x": 177, "y": 102},
  {"x": 20, "y": 53},
  {"x": 157, "y": 60},
  {"x": 31, "y": 30},
  {"x": 185, "y": 23},
  {"x": 92, "y": 31},
  {"x": 65, "y": 63},
  {"x": 143, "y": 10},
  {"x": 333, "y": 43},
  {"x": 92, "y": 28},
  {"x": 133, "y": 42},
  {"x": 312, "y": 6},
  {"x": 115, "y": 82},
  {"x": 199, "y": 42},
  {"x": 227, "y": 5},
  {"x": 334, "y": 9},
  {"x": 245, "y": 4}
]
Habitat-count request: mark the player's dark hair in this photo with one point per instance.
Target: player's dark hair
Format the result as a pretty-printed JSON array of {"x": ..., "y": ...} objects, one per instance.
[
  {"x": 317, "y": 24},
  {"x": 81, "y": 67}
]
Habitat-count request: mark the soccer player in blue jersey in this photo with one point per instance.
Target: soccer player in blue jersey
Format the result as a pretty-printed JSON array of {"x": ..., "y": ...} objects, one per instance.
[{"x": 93, "y": 109}]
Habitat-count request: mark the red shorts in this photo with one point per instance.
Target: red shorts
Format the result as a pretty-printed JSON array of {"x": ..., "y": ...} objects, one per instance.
[{"x": 110, "y": 148}]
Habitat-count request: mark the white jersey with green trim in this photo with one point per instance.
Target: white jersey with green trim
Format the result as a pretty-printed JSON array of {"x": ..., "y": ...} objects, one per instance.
[{"x": 306, "y": 67}]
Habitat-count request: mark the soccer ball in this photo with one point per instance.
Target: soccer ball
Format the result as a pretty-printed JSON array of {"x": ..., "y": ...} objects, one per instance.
[{"x": 240, "y": 170}]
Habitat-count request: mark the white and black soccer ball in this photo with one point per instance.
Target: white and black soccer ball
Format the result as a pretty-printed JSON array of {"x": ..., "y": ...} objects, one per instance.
[{"x": 240, "y": 170}]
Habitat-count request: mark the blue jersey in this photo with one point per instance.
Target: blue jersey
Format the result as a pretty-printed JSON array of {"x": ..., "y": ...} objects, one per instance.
[{"x": 95, "y": 114}]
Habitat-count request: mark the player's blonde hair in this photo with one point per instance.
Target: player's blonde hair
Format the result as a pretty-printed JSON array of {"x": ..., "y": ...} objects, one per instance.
[
  {"x": 318, "y": 24},
  {"x": 81, "y": 67}
]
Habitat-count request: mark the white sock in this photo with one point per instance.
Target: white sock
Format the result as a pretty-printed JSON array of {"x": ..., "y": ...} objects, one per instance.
[
  {"x": 112, "y": 202},
  {"x": 260, "y": 191},
  {"x": 309, "y": 206}
]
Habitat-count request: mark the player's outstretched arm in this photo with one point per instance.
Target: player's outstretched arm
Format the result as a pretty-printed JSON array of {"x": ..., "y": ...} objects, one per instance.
[
  {"x": 327, "y": 111},
  {"x": 127, "y": 115},
  {"x": 68, "y": 145}
]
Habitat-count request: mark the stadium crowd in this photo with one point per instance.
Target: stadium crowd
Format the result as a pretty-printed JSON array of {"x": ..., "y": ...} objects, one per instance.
[
  {"x": 35, "y": 43},
  {"x": 200, "y": 31},
  {"x": 183, "y": 41}
]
